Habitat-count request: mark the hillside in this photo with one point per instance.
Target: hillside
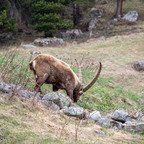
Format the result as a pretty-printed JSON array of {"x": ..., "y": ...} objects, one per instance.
[
  {"x": 118, "y": 80},
  {"x": 42, "y": 126}
]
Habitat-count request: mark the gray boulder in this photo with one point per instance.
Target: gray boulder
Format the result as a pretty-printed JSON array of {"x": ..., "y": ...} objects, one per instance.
[
  {"x": 95, "y": 116},
  {"x": 108, "y": 123},
  {"x": 139, "y": 66},
  {"x": 48, "y": 42},
  {"x": 57, "y": 98},
  {"x": 135, "y": 127},
  {"x": 50, "y": 104},
  {"x": 75, "y": 112},
  {"x": 105, "y": 122},
  {"x": 70, "y": 34},
  {"x": 28, "y": 46},
  {"x": 116, "y": 124},
  {"x": 102, "y": 38},
  {"x": 26, "y": 95},
  {"x": 131, "y": 16},
  {"x": 121, "y": 116},
  {"x": 8, "y": 88}
]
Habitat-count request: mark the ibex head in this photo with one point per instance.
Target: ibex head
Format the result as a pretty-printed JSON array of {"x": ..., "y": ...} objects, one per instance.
[{"x": 82, "y": 89}]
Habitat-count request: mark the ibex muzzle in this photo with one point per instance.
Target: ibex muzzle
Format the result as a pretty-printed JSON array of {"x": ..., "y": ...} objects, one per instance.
[{"x": 50, "y": 70}]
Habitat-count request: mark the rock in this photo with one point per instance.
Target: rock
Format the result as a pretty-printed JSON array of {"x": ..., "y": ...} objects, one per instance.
[
  {"x": 57, "y": 98},
  {"x": 95, "y": 116},
  {"x": 108, "y": 123},
  {"x": 50, "y": 104},
  {"x": 92, "y": 23},
  {"x": 28, "y": 46},
  {"x": 75, "y": 112},
  {"x": 26, "y": 95},
  {"x": 121, "y": 116},
  {"x": 48, "y": 42},
  {"x": 8, "y": 88},
  {"x": 99, "y": 132},
  {"x": 95, "y": 12},
  {"x": 6, "y": 35},
  {"x": 136, "y": 127},
  {"x": 116, "y": 124},
  {"x": 70, "y": 34},
  {"x": 131, "y": 16},
  {"x": 105, "y": 122},
  {"x": 35, "y": 52},
  {"x": 102, "y": 38},
  {"x": 139, "y": 66},
  {"x": 138, "y": 115}
]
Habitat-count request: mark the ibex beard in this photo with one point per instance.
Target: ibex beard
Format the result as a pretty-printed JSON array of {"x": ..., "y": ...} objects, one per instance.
[{"x": 50, "y": 70}]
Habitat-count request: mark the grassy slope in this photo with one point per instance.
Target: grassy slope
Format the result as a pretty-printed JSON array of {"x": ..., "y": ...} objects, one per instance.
[
  {"x": 118, "y": 80},
  {"x": 18, "y": 124}
]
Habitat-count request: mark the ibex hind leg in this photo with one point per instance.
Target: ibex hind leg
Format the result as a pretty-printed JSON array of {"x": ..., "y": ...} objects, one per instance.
[{"x": 39, "y": 82}]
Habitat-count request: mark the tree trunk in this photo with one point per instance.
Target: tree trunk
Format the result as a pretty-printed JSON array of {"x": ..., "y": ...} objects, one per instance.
[
  {"x": 119, "y": 9},
  {"x": 76, "y": 15}
]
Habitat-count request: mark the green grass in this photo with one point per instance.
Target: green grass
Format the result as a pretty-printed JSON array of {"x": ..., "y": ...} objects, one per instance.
[{"x": 102, "y": 95}]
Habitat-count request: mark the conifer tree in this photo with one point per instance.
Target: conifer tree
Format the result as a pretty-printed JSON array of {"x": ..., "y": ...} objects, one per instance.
[{"x": 47, "y": 16}]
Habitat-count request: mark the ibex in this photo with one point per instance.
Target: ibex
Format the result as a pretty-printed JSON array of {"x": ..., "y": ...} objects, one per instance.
[{"x": 50, "y": 70}]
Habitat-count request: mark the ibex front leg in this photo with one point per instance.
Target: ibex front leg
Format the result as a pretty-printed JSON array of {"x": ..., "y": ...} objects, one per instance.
[
  {"x": 70, "y": 94},
  {"x": 40, "y": 80}
]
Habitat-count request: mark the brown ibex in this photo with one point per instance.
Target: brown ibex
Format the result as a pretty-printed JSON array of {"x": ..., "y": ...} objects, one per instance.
[{"x": 50, "y": 70}]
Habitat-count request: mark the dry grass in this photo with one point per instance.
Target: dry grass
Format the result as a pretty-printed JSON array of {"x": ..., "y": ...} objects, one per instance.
[{"x": 46, "y": 123}]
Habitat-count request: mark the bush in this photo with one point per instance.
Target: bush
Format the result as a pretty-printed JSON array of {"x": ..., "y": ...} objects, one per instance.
[{"x": 7, "y": 24}]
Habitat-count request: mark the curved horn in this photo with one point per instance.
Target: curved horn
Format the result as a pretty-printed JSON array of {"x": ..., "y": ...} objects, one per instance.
[
  {"x": 94, "y": 79},
  {"x": 80, "y": 72}
]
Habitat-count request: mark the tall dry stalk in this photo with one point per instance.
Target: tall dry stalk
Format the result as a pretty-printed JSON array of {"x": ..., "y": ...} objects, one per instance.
[{"x": 77, "y": 124}]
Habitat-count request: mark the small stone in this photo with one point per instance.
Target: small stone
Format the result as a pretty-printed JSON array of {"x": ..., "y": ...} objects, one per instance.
[
  {"x": 121, "y": 116},
  {"x": 75, "y": 112},
  {"x": 70, "y": 34},
  {"x": 95, "y": 116},
  {"x": 139, "y": 66},
  {"x": 48, "y": 42},
  {"x": 131, "y": 16},
  {"x": 35, "y": 52},
  {"x": 57, "y": 98},
  {"x": 136, "y": 127},
  {"x": 50, "y": 104},
  {"x": 108, "y": 123},
  {"x": 101, "y": 38},
  {"x": 138, "y": 115},
  {"x": 99, "y": 132},
  {"x": 116, "y": 124},
  {"x": 105, "y": 122},
  {"x": 28, "y": 46}
]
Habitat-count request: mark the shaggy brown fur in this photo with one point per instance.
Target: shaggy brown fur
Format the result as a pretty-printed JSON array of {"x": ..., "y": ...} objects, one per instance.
[{"x": 50, "y": 70}]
